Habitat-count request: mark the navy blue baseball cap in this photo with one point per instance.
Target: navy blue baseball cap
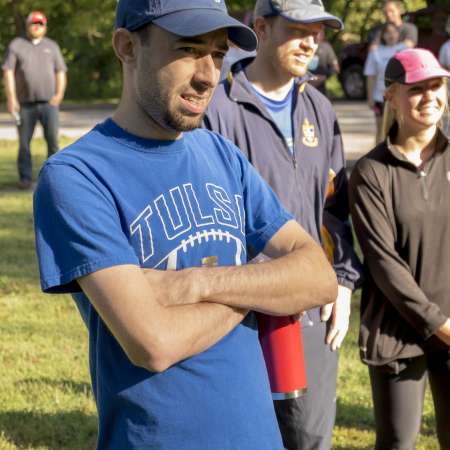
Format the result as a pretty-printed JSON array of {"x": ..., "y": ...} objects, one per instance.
[{"x": 185, "y": 18}]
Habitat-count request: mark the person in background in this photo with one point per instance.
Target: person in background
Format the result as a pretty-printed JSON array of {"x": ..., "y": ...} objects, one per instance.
[
  {"x": 34, "y": 75},
  {"x": 289, "y": 132},
  {"x": 444, "y": 52},
  {"x": 324, "y": 64},
  {"x": 149, "y": 222},
  {"x": 233, "y": 55},
  {"x": 393, "y": 10},
  {"x": 401, "y": 214},
  {"x": 444, "y": 59},
  {"x": 374, "y": 68}
]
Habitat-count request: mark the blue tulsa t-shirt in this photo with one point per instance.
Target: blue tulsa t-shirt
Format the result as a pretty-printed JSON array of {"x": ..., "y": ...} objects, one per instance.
[{"x": 112, "y": 198}]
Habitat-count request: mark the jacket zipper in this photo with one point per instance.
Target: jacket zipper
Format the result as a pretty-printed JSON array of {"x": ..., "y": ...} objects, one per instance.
[{"x": 423, "y": 183}]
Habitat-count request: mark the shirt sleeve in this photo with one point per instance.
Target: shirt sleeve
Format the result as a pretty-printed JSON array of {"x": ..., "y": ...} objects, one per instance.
[
  {"x": 10, "y": 59},
  {"x": 77, "y": 229},
  {"x": 264, "y": 214},
  {"x": 370, "y": 67},
  {"x": 390, "y": 272},
  {"x": 336, "y": 218},
  {"x": 444, "y": 55},
  {"x": 60, "y": 65}
]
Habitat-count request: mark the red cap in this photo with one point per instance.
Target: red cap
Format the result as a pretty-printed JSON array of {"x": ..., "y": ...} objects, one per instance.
[
  {"x": 36, "y": 17},
  {"x": 412, "y": 66}
]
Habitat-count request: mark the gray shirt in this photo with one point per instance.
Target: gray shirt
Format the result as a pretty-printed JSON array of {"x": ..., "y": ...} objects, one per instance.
[
  {"x": 35, "y": 67},
  {"x": 407, "y": 31}
]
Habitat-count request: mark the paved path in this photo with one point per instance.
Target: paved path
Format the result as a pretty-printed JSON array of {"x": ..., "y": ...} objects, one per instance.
[
  {"x": 357, "y": 124},
  {"x": 356, "y": 121}
]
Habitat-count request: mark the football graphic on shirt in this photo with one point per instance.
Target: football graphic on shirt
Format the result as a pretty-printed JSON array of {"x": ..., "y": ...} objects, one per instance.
[{"x": 205, "y": 248}]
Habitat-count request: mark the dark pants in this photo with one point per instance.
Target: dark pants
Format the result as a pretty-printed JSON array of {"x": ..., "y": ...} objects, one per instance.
[
  {"x": 398, "y": 401},
  {"x": 30, "y": 114},
  {"x": 306, "y": 423}
]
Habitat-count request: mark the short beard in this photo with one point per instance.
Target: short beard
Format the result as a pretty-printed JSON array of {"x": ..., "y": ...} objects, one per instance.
[
  {"x": 178, "y": 122},
  {"x": 158, "y": 110}
]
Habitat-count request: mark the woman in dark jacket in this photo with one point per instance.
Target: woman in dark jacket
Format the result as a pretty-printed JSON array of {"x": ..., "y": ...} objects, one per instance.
[{"x": 400, "y": 205}]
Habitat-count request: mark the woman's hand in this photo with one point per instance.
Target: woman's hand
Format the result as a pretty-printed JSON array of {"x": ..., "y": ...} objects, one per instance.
[{"x": 443, "y": 332}]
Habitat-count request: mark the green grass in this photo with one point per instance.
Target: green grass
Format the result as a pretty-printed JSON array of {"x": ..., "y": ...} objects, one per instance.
[
  {"x": 8, "y": 165},
  {"x": 354, "y": 422},
  {"x": 45, "y": 397}
]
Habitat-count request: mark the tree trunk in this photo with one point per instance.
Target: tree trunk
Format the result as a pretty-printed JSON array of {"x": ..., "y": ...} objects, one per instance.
[{"x": 18, "y": 19}]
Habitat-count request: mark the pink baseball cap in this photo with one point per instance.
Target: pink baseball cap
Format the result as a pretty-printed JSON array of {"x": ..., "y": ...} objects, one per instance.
[
  {"x": 37, "y": 17},
  {"x": 412, "y": 66}
]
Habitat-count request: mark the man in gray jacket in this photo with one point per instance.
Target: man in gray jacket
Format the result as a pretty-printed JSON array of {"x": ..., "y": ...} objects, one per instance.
[{"x": 289, "y": 132}]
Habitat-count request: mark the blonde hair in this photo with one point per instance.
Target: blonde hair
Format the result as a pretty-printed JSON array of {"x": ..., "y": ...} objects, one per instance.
[
  {"x": 388, "y": 115},
  {"x": 389, "y": 118}
]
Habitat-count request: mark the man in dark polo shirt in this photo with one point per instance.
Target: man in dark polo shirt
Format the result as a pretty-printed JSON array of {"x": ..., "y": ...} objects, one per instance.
[{"x": 34, "y": 75}]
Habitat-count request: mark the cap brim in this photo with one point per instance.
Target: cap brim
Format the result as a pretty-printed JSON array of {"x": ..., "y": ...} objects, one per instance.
[
  {"x": 426, "y": 74},
  {"x": 188, "y": 23},
  {"x": 31, "y": 22},
  {"x": 313, "y": 15}
]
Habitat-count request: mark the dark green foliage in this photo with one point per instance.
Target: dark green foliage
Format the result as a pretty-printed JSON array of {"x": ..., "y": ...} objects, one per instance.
[{"x": 83, "y": 30}]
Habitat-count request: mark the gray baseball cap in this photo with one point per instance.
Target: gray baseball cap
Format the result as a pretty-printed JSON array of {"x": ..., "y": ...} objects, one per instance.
[{"x": 301, "y": 11}]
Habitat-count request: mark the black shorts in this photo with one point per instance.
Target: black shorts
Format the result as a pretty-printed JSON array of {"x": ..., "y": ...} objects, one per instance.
[{"x": 378, "y": 109}]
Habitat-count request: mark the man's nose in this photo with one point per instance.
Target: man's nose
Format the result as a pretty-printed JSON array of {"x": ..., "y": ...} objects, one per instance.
[
  {"x": 310, "y": 40},
  {"x": 207, "y": 72}
]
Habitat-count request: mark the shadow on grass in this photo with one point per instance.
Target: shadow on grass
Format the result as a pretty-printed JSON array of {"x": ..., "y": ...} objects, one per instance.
[
  {"x": 75, "y": 387},
  {"x": 352, "y": 447},
  {"x": 72, "y": 430},
  {"x": 354, "y": 416},
  {"x": 18, "y": 257},
  {"x": 18, "y": 264},
  {"x": 8, "y": 166}
]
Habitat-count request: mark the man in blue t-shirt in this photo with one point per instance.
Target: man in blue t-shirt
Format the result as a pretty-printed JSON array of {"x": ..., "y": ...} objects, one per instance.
[{"x": 149, "y": 222}]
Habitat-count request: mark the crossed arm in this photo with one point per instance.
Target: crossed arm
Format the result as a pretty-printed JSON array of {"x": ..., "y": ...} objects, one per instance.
[{"x": 162, "y": 317}]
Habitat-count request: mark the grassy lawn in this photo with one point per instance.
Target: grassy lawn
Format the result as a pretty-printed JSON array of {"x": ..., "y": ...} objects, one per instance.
[{"x": 45, "y": 397}]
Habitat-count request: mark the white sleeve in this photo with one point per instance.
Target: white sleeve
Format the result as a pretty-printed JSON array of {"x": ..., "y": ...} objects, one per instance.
[
  {"x": 444, "y": 55},
  {"x": 370, "y": 66}
]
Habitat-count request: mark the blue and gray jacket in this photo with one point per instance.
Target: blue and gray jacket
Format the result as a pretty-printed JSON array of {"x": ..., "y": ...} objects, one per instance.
[{"x": 311, "y": 182}]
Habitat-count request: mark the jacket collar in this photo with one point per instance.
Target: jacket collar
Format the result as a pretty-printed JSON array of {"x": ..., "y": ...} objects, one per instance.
[
  {"x": 240, "y": 89},
  {"x": 442, "y": 145}
]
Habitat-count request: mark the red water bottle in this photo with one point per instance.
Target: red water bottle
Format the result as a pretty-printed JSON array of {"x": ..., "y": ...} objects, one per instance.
[{"x": 281, "y": 342}]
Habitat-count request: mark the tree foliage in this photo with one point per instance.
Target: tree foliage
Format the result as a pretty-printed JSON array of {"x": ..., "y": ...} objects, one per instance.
[
  {"x": 360, "y": 16},
  {"x": 83, "y": 30}
]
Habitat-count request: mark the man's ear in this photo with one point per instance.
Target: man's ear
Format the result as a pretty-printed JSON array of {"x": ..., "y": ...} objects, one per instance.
[
  {"x": 125, "y": 45},
  {"x": 261, "y": 27}
]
